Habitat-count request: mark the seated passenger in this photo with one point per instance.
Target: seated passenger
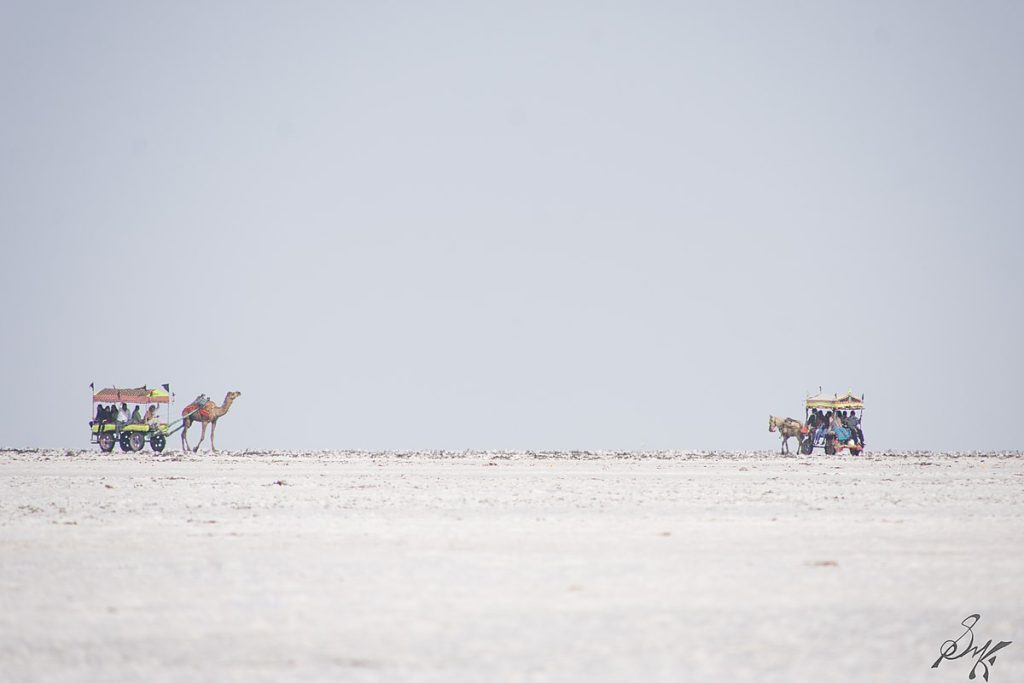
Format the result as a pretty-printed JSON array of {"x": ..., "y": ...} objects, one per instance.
[
  {"x": 853, "y": 423},
  {"x": 123, "y": 416},
  {"x": 842, "y": 435},
  {"x": 136, "y": 418},
  {"x": 823, "y": 420},
  {"x": 151, "y": 417}
]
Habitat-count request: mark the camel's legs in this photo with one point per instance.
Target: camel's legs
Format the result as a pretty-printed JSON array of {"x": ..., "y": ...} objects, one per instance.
[
  {"x": 213, "y": 428},
  {"x": 202, "y": 435},
  {"x": 184, "y": 430}
]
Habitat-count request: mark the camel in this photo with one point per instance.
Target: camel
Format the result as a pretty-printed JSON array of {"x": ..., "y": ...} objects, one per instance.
[
  {"x": 786, "y": 427},
  {"x": 213, "y": 413}
]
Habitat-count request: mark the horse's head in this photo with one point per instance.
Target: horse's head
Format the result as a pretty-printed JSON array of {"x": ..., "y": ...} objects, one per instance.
[{"x": 772, "y": 423}]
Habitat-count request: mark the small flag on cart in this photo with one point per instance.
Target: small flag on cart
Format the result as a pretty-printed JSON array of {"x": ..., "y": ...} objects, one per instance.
[
  {"x": 92, "y": 386},
  {"x": 167, "y": 387}
]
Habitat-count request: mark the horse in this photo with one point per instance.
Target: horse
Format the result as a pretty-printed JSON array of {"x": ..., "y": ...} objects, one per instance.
[{"x": 786, "y": 427}]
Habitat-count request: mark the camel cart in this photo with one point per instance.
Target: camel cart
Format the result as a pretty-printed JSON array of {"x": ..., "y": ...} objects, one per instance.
[
  {"x": 133, "y": 437},
  {"x": 832, "y": 441}
]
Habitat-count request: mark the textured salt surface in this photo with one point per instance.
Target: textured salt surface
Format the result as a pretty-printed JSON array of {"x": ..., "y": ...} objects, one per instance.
[{"x": 506, "y": 565}]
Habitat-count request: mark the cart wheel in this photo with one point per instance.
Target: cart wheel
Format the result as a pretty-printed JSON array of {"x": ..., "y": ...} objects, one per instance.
[
  {"x": 157, "y": 442},
  {"x": 106, "y": 441},
  {"x": 126, "y": 445},
  {"x": 136, "y": 441},
  {"x": 830, "y": 447},
  {"x": 807, "y": 445}
]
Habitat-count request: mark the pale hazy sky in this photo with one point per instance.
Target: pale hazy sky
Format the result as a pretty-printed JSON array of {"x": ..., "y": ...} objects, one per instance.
[{"x": 515, "y": 225}]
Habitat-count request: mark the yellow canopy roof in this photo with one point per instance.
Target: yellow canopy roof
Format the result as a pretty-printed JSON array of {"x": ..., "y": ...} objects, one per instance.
[{"x": 847, "y": 401}]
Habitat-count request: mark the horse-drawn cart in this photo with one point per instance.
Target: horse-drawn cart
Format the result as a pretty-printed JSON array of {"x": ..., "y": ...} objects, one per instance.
[
  {"x": 832, "y": 423},
  {"x": 132, "y": 436}
]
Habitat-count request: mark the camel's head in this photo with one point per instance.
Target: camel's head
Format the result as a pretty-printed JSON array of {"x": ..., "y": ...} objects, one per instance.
[
  {"x": 234, "y": 394},
  {"x": 771, "y": 423}
]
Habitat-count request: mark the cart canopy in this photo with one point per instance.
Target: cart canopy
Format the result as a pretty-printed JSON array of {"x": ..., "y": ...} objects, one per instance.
[
  {"x": 847, "y": 401},
  {"x": 137, "y": 395}
]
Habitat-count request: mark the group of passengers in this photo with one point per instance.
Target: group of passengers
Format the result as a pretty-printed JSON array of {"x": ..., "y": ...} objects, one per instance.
[
  {"x": 121, "y": 417},
  {"x": 838, "y": 423}
]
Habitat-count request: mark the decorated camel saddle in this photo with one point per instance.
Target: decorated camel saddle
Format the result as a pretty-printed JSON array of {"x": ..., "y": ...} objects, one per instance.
[{"x": 198, "y": 407}]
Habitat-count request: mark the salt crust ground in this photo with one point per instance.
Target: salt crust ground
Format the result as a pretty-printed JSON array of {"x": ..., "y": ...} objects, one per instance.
[{"x": 493, "y": 566}]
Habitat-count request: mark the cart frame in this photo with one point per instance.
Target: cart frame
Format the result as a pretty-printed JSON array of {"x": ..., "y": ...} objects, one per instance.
[{"x": 133, "y": 437}]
